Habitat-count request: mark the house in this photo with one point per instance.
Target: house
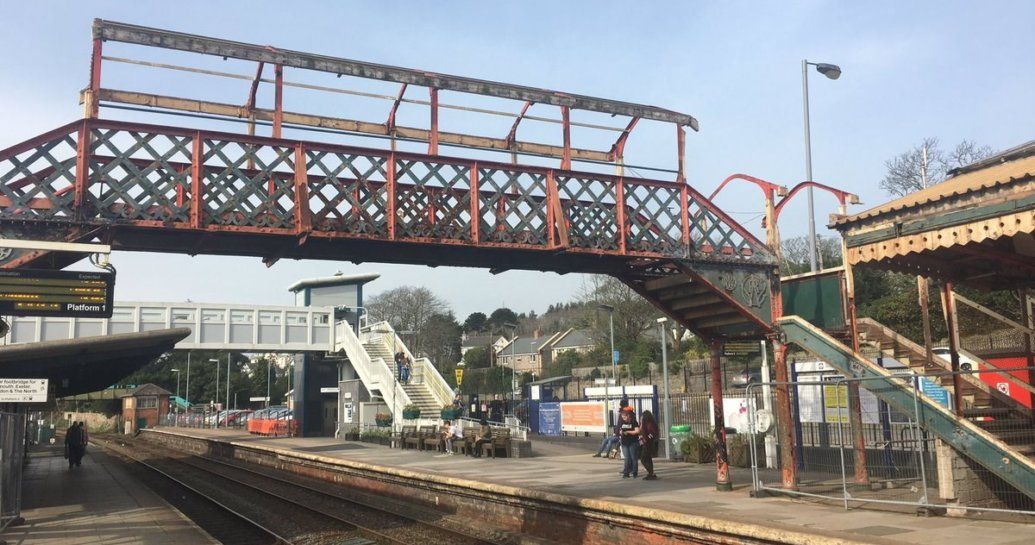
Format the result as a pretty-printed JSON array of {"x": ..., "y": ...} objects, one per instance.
[
  {"x": 579, "y": 340},
  {"x": 144, "y": 406},
  {"x": 484, "y": 340},
  {"x": 525, "y": 354}
]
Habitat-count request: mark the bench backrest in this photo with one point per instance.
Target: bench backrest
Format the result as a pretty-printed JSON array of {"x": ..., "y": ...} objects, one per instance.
[
  {"x": 501, "y": 433},
  {"x": 409, "y": 430},
  {"x": 427, "y": 430}
]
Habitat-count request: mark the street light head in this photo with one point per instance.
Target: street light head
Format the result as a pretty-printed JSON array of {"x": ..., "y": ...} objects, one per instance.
[
  {"x": 175, "y": 370},
  {"x": 608, "y": 308},
  {"x": 662, "y": 320},
  {"x": 509, "y": 325},
  {"x": 831, "y": 71},
  {"x": 213, "y": 360}
]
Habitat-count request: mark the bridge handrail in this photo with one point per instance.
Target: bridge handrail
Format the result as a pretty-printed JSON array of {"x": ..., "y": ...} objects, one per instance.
[
  {"x": 374, "y": 372},
  {"x": 653, "y": 218}
]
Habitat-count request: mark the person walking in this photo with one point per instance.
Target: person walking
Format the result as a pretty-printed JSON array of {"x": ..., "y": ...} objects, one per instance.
[
  {"x": 630, "y": 440},
  {"x": 648, "y": 444},
  {"x": 407, "y": 367},
  {"x": 400, "y": 362},
  {"x": 74, "y": 445}
]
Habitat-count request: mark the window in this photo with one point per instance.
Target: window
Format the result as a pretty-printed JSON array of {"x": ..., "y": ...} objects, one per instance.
[{"x": 147, "y": 402}]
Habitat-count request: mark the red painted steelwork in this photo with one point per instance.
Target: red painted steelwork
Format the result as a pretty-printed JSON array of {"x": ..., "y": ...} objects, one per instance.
[
  {"x": 723, "y": 482},
  {"x": 278, "y": 101}
]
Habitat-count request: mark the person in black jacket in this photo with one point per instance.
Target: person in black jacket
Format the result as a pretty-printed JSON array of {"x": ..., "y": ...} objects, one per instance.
[
  {"x": 74, "y": 446},
  {"x": 648, "y": 443}
]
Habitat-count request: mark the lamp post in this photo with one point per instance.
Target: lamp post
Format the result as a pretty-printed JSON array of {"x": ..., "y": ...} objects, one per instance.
[
  {"x": 216, "y": 361},
  {"x": 614, "y": 361},
  {"x": 186, "y": 394},
  {"x": 228, "y": 354},
  {"x": 176, "y": 412},
  {"x": 513, "y": 342},
  {"x": 665, "y": 408},
  {"x": 831, "y": 71},
  {"x": 269, "y": 370}
]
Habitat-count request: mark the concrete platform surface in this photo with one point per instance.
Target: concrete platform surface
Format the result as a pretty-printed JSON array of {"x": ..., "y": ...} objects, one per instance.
[
  {"x": 97, "y": 503},
  {"x": 681, "y": 488}
]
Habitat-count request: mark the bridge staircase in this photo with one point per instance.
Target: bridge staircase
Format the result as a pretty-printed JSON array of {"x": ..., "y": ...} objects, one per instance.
[
  {"x": 984, "y": 404},
  {"x": 371, "y": 355},
  {"x": 1001, "y": 445}
]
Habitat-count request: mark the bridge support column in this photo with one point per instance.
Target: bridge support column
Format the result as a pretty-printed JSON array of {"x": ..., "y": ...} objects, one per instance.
[
  {"x": 722, "y": 466},
  {"x": 784, "y": 421}
]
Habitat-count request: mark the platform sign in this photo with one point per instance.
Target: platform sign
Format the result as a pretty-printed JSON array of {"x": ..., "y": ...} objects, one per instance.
[
  {"x": 75, "y": 294},
  {"x": 741, "y": 348},
  {"x": 23, "y": 390},
  {"x": 934, "y": 391},
  {"x": 550, "y": 418}
]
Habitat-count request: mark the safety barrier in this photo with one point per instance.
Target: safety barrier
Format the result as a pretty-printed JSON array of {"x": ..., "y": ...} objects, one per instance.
[
  {"x": 902, "y": 460},
  {"x": 12, "y": 454}
]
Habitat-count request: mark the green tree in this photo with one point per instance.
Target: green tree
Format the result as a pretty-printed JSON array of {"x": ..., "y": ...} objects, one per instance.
[
  {"x": 475, "y": 322},
  {"x": 478, "y": 357}
]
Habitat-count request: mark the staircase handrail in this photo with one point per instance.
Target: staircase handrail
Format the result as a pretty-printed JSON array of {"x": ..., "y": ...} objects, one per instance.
[
  {"x": 977, "y": 443},
  {"x": 423, "y": 369},
  {"x": 373, "y": 372},
  {"x": 946, "y": 365}
]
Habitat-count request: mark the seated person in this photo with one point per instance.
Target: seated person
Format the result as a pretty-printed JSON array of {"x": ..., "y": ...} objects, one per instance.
[
  {"x": 484, "y": 436},
  {"x": 447, "y": 431},
  {"x": 609, "y": 441}
]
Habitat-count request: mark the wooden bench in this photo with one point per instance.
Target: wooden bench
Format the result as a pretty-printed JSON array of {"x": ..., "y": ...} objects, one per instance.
[
  {"x": 500, "y": 440},
  {"x": 435, "y": 440},
  {"x": 417, "y": 439},
  {"x": 403, "y": 436},
  {"x": 466, "y": 444}
]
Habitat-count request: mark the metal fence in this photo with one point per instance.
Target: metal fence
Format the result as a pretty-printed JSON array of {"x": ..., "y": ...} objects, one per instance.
[
  {"x": 12, "y": 457},
  {"x": 901, "y": 463},
  {"x": 275, "y": 421}
]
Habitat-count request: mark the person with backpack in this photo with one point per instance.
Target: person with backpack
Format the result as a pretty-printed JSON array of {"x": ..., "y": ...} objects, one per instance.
[{"x": 648, "y": 444}]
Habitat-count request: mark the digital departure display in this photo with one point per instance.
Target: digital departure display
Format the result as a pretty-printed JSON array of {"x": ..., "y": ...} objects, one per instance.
[{"x": 28, "y": 292}]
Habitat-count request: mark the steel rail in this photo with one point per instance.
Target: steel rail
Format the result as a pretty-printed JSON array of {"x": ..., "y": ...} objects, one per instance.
[
  {"x": 263, "y": 492},
  {"x": 123, "y": 452},
  {"x": 354, "y": 501}
]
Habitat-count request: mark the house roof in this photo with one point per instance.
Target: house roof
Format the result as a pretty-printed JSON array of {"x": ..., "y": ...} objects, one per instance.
[
  {"x": 148, "y": 390},
  {"x": 479, "y": 340},
  {"x": 527, "y": 345},
  {"x": 337, "y": 279},
  {"x": 574, "y": 338}
]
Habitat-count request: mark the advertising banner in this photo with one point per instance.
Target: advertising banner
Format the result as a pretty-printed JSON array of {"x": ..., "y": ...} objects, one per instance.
[{"x": 583, "y": 416}]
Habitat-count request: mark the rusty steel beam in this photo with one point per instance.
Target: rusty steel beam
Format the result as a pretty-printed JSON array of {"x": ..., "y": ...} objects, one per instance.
[
  {"x": 351, "y": 125},
  {"x": 166, "y": 39}
]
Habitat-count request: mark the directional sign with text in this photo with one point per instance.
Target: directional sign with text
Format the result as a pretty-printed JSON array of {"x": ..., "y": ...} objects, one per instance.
[
  {"x": 23, "y": 390},
  {"x": 29, "y": 292}
]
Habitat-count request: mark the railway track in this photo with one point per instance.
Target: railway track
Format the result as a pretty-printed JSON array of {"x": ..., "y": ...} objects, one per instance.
[{"x": 295, "y": 509}]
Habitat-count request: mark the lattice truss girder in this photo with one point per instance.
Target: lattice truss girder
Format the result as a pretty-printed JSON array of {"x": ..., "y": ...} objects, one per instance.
[{"x": 146, "y": 174}]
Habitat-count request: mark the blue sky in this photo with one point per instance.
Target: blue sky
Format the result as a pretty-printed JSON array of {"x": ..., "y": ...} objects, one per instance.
[{"x": 952, "y": 70}]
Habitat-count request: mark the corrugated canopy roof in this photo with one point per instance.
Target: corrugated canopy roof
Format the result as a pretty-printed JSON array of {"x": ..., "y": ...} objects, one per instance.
[{"x": 1003, "y": 168}]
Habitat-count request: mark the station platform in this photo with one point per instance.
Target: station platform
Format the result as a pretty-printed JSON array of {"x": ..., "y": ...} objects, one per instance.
[
  {"x": 682, "y": 489},
  {"x": 98, "y": 503}
]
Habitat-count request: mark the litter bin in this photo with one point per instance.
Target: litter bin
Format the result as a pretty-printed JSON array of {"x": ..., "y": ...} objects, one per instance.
[{"x": 678, "y": 434}]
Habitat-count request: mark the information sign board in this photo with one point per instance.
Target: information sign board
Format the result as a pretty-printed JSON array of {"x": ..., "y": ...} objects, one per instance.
[
  {"x": 582, "y": 416},
  {"x": 23, "y": 390},
  {"x": 550, "y": 418},
  {"x": 31, "y": 292},
  {"x": 741, "y": 348}
]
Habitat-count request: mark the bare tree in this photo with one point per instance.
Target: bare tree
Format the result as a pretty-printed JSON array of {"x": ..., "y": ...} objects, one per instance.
[
  {"x": 908, "y": 171},
  {"x": 632, "y": 314},
  {"x": 795, "y": 254},
  {"x": 407, "y": 308}
]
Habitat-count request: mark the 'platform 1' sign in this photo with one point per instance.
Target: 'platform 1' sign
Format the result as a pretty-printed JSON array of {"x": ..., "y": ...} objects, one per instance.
[
  {"x": 27, "y": 292},
  {"x": 23, "y": 390}
]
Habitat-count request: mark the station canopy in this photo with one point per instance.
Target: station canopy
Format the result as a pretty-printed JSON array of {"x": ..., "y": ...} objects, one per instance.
[
  {"x": 84, "y": 365},
  {"x": 976, "y": 228}
]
